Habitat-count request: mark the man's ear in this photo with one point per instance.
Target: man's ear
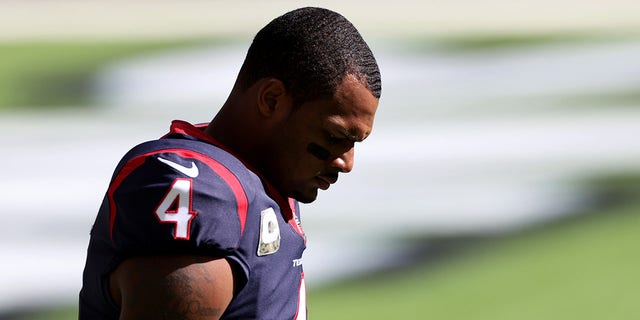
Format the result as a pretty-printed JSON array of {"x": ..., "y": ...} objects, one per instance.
[{"x": 273, "y": 98}]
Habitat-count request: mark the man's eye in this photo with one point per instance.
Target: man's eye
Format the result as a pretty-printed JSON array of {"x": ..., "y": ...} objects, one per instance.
[{"x": 334, "y": 140}]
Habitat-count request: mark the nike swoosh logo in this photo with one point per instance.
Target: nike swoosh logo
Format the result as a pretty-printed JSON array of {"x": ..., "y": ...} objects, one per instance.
[{"x": 191, "y": 172}]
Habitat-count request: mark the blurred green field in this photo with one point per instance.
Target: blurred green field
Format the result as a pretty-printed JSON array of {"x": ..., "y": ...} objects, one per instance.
[
  {"x": 58, "y": 74},
  {"x": 583, "y": 269}
]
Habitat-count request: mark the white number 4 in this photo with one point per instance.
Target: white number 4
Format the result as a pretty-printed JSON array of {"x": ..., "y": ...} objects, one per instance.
[{"x": 176, "y": 208}]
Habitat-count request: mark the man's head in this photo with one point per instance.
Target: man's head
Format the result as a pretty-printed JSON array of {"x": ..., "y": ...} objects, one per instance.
[
  {"x": 310, "y": 50},
  {"x": 307, "y": 91}
]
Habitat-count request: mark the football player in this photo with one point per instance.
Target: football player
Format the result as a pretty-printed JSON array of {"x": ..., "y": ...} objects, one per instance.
[{"x": 203, "y": 223}]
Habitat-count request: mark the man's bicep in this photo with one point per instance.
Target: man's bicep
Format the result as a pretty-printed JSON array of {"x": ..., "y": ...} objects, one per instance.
[{"x": 172, "y": 287}]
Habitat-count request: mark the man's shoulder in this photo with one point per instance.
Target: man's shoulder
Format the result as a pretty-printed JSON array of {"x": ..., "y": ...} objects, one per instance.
[
  {"x": 180, "y": 153},
  {"x": 178, "y": 189},
  {"x": 183, "y": 147}
]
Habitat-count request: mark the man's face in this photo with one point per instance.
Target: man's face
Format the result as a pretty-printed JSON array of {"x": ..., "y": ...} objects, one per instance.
[{"x": 316, "y": 142}]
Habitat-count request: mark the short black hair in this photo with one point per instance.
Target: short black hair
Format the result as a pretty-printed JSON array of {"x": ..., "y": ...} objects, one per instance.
[{"x": 310, "y": 50}]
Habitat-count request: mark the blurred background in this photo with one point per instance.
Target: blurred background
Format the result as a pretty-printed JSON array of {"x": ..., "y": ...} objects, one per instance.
[{"x": 502, "y": 180}]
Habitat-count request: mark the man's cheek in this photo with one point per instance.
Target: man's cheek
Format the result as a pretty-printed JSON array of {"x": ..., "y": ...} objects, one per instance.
[{"x": 318, "y": 151}]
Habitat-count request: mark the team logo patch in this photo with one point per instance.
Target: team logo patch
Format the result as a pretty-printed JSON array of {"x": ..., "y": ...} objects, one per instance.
[{"x": 269, "y": 233}]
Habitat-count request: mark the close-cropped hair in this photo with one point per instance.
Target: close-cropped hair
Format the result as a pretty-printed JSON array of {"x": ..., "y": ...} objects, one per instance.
[{"x": 310, "y": 50}]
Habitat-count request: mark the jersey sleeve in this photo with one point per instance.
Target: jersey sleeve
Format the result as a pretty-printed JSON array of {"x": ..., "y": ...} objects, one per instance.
[{"x": 176, "y": 201}]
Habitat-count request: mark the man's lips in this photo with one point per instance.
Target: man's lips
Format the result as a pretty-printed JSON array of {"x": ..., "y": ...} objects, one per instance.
[{"x": 327, "y": 180}]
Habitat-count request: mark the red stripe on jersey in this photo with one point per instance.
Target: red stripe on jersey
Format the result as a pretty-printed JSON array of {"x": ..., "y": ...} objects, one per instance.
[
  {"x": 126, "y": 170},
  {"x": 229, "y": 178},
  {"x": 295, "y": 220}
]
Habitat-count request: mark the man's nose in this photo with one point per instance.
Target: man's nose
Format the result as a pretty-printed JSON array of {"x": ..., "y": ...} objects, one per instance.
[{"x": 344, "y": 162}]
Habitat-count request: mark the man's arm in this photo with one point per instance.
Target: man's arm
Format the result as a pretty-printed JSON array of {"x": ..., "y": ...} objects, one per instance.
[{"x": 172, "y": 287}]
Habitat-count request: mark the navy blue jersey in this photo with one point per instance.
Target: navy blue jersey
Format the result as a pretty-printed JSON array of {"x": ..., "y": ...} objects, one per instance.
[{"x": 184, "y": 193}]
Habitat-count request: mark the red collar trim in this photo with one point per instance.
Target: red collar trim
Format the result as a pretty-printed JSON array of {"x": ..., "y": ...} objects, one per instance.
[{"x": 196, "y": 131}]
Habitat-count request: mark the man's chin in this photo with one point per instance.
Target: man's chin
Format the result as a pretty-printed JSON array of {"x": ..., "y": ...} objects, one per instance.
[{"x": 306, "y": 197}]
